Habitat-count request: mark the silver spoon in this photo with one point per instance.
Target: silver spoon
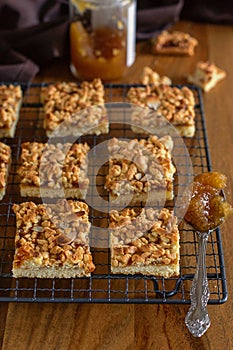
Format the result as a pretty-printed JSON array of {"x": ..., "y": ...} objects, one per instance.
[{"x": 197, "y": 319}]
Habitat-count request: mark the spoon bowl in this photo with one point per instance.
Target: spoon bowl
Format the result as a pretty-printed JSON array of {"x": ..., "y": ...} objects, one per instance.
[{"x": 197, "y": 319}]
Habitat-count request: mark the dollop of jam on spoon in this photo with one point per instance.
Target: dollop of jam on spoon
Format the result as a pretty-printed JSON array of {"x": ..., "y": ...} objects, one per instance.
[
  {"x": 207, "y": 210},
  {"x": 208, "y": 207}
]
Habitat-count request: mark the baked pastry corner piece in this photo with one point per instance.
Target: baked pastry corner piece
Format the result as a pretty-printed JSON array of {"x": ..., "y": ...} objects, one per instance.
[
  {"x": 10, "y": 103},
  {"x": 54, "y": 170},
  {"x": 72, "y": 109},
  {"x": 52, "y": 241},
  {"x": 144, "y": 242},
  {"x": 5, "y": 161},
  {"x": 206, "y": 75},
  {"x": 140, "y": 171},
  {"x": 174, "y": 43},
  {"x": 176, "y": 105}
]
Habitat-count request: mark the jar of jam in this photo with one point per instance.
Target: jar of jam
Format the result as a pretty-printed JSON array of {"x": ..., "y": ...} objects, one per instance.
[{"x": 102, "y": 38}]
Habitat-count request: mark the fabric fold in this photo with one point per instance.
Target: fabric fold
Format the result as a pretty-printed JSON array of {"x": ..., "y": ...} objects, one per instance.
[
  {"x": 151, "y": 20},
  {"x": 16, "y": 67},
  {"x": 31, "y": 34}
]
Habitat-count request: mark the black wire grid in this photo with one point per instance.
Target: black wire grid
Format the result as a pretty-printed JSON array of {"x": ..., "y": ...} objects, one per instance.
[{"x": 102, "y": 286}]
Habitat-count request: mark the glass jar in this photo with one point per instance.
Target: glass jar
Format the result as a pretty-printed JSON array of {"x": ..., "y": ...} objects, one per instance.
[{"x": 102, "y": 38}]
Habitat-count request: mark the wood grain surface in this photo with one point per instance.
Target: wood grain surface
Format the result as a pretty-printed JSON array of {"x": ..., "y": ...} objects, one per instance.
[{"x": 28, "y": 326}]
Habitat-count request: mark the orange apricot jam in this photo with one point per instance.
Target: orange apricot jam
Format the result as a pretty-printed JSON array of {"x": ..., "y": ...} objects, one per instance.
[
  {"x": 208, "y": 207},
  {"x": 98, "y": 54}
]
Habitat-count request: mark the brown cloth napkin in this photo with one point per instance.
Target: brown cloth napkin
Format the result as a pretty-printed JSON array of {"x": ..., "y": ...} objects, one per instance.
[
  {"x": 210, "y": 11},
  {"x": 16, "y": 67},
  {"x": 152, "y": 18},
  {"x": 32, "y": 32}
]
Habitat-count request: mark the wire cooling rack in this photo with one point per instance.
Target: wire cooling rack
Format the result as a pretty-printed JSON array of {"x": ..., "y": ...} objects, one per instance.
[{"x": 102, "y": 286}]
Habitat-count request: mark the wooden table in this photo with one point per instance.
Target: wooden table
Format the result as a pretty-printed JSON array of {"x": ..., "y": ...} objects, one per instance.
[{"x": 31, "y": 326}]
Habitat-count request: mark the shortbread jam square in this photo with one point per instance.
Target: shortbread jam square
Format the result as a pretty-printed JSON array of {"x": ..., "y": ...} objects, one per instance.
[
  {"x": 10, "y": 103},
  {"x": 54, "y": 170},
  {"x": 174, "y": 43},
  {"x": 175, "y": 105},
  {"x": 140, "y": 171},
  {"x": 144, "y": 241},
  {"x": 206, "y": 75},
  {"x": 72, "y": 109},
  {"x": 52, "y": 241}
]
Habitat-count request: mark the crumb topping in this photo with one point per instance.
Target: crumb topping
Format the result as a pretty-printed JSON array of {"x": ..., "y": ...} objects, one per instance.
[
  {"x": 139, "y": 166},
  {"x": 149, "y": 76},
  {"x": 173, "y": 103},
  {"x": 63, "y": 101},
  {"x": 53, "y": 235},
  {"x": 146, "y": 236},
  {"x": 56, "y": 166},
  {"x": 10, "y": 97},
  {"x": 5, "y": 155}
]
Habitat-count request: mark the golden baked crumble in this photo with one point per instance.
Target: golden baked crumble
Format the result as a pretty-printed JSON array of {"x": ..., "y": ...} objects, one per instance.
[
  {"x": 72, "y": 109},
  {"x": 140, "y": 168},
  {"x": 151, "y": 77},
  {"x": 10, "y": 102},
  {"x": 175, "y": 104},
  {"x": 52, "y": 240},
  {"x": 5, "y": 160},
  {"x": 144, "y": 241},
  {"x": 53, "y": 167}
]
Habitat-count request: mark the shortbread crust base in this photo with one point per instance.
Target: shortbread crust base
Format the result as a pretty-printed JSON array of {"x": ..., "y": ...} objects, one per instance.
[
  {"x": 30, "y": 270},
  {"x": 154, "y": 197},
  {"x": 174, "y": 51},
  {"x": 32, "y": 191},
  {"x": 183, "y": 130},
  {"x": 155, "y": 270},
  {"x": 73, "y": 131}
]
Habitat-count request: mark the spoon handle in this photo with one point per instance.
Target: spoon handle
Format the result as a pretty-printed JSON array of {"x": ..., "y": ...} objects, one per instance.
[{"x": 197, "y": 319}]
